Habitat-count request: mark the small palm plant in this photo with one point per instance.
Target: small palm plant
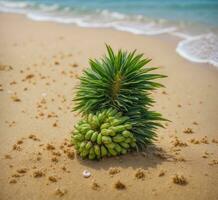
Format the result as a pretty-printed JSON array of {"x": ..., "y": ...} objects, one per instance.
[{"x": 122, "y": 81}]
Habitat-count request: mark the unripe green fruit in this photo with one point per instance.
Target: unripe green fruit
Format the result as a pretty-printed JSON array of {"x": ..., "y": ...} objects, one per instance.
[
  {"x": 128, "y": 140},
  {"x": 99, "y": 138},
  {"x": 105, "y": 126},
  {"x": 103, "y": 151},
  {"x": 106, "y": 139},
  {"x": 91, "y": 156},
  {"x": 88, "y": 145},
  {"x": 103, "y": 134},
  {"x": 94, "y": 136},
  {"x": 81, "y": 148},
  {"x": 112, "y": 152},
  {"x": 79, "y": 137},
  {"x": 107, "y": 132},
  {"x": 97, "y": 150},
  {"x": 119, "y": 128},
  {"x": 101, "y": 117},
  {"x": 89, "y": 134},
  {"x": 115, "y": 122},
  {"x": 126, "y": 134},
  {"x": 96, "y": 122},
  {"x": 119, "y": 138},
  {"x": 75, "y": 132},
  {"x": 125, "y": 145},
  {"x": 84, "y": 153},
  {"x": 89, "y": 118},
  {"x": 91, "y": 151},
  {"x": 110, "y": 145},
  {"x": 118, "y": 148},
  {"x": 84, "y": 130},
  {"x": 128, "y": 126}
]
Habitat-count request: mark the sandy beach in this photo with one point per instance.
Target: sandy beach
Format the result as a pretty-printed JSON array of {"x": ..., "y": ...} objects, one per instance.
[{"x": 40, "y": 63}]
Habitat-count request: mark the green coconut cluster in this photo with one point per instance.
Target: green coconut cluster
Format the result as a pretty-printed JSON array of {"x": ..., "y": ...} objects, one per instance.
[{"x": 106, "y": 133}]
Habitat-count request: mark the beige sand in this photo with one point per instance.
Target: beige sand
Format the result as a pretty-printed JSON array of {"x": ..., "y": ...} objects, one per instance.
[{"x": 39, "y": 66}]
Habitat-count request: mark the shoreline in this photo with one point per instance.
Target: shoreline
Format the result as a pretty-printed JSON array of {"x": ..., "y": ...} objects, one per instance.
[
  {"x": 40, "y": 63},
  {"x": 181, "y": 40}
]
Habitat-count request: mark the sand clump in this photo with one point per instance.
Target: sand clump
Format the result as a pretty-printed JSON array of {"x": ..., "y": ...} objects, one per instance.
[
  {"x": 16, "y": 175},
  {"x": 13, "y": 181},
  {"x": 7, "y": 156},
  {"x": 194, "y": 141},
  {"x": 16, "y": 147},
  {"x": 113, "y": 171},
  {"x": 55, "y": 124},
  {"x": 74, "y": 65},
  {"x": 15, "y": 98},
  {"x": 60, "y": 192},
  {"x": 10, "y": 124},
  {"x": 54, "y": 159},
  {"x": 13, "y": 83},
  {"x": 4, "y": 67},
  {"x": 178, "y": 143},
  {"x": 179, "y": 179},
  {"x": 33, "y": 137},
  {"x": 204, "y": 140},
  {"x": 95, "y": 186},
  {"x": 214, "y": 141},
  {"x": 52, "y": 178},
  {"x": 213, "y": 162},
  {"x": 140, "y": 174},
  {"x": 161, "y": 173},
  {"x": 20, "y": 142},
  {"x": 52, "y": 115},
  {"x": 70, "y": 154},
  {"x": 38, "y": 174},
  {"x": 188, "y": 131},
  {"x": 119, "y": 185},
  {"x": 1, "y": 88},
  {"x": 50, "y": 147},
  {"x": 28, "y": 77},
  {"x": 180, "y": 159},
  {"x": 56, "y": 153},
  {"x": 57, "y": 62},
  {"x": 22, "y": 170}
]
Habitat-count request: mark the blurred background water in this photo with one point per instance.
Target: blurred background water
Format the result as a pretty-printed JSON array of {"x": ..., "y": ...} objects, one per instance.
[{"x": 194, "y": 21}]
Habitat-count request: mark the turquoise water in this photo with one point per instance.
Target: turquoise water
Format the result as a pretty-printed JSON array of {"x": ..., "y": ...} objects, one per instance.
[{"x": 194, "y": 21}]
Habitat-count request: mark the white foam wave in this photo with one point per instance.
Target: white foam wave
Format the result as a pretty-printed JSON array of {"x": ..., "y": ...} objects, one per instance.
[
  {"x": 41, "y": 17},
  {"x": 113, "y": 15},
  {"x": 202, "y": 49},
  {"x": 48, "y": 8},
  {"x": 144, "y": 29},
  {"x": 10, "y": 4},
  {"x": 141, "y": 29}
]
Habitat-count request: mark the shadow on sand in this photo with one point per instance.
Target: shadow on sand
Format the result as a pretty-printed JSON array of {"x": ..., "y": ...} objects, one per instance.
[{"x": 149, "y": 158}]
